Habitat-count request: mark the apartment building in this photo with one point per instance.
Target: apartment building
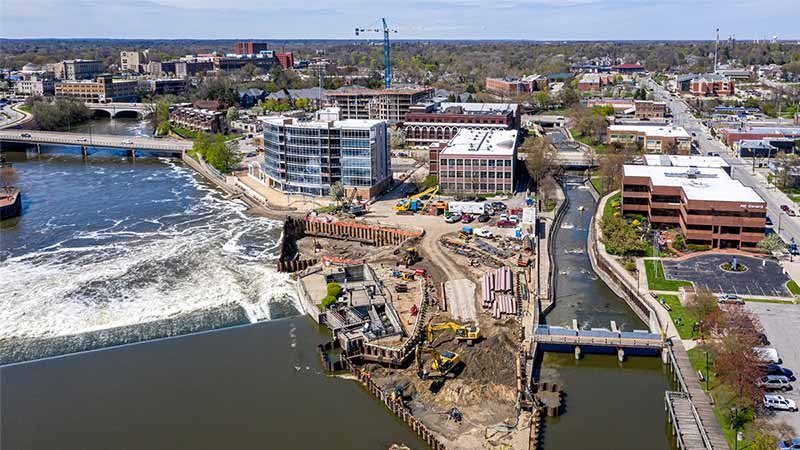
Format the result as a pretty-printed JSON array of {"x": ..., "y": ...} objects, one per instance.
[
  {"x": 652, "y": 138},
  {"x": 307, "y": 157},
  {"x": 479, "y": 162},
  {"x": 104, "y": 90},
  {"x": 705, "y": 85},
  {"x": 390, "y": 104},
  {"x": 197, "y": 119},
  {"x": 78, "y": 69},
  {"x": 513, "y": 85},
  {"x": 132, "y": 61},
  {"x": 708, "y": 206},
  {"x": 249, "y": 48},
  {"x": 430, "y": 122}
]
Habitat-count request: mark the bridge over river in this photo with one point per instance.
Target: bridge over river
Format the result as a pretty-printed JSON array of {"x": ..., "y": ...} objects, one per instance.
[{"x": 166, "y": 146}]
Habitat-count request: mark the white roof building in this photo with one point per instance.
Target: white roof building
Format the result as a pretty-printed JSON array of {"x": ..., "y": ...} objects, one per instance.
[
  {"x": 650, "y": 130},
  {"x": 482, "y": 143},
  {"x": 704, "y": 184},
  {"x": 686, "y": 161}
]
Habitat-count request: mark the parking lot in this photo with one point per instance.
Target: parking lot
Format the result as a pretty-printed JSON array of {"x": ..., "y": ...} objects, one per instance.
[
  {"x": 763, "y": 278},
  {"x": 782, "y": 326}
]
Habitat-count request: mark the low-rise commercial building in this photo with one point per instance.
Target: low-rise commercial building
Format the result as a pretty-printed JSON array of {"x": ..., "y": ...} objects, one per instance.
[
  {"x": 250, "y": 47},
  {"x": 705, "y": 85},
  {"x": 648, "y": 109},
  {"x": 708, "y": 206},
  {"x": 390, "y": 104},
  {"x": 651, "y": 138},
  {"x": 733, "y": 135},
  {"x": 440, "y": 121},
  {"x": 104, "y": 90},
  {"x": 305, "y": 157},
  {"x": 628, "y": 68},
  {"x": 709, "y": 162},
  {"x": 190, "y": 68},
  {"x": 35, "y": 85},
  {"x": 163, "y": 86},
  {"x": 479, "y": 162},
  {"x": 199, "y": 120},
  {"x": 513, "y": 85}
]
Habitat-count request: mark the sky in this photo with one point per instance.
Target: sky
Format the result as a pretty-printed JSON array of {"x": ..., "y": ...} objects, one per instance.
[{"x": 414, "y": 19}]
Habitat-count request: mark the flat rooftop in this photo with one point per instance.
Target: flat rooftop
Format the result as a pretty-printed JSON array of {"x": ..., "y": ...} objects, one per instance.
[
  {"x": 482, "y": 143},
  {"x": 481, "y": 108},
  {"x": 685, "y": 161},
  {"x": 650, "y": 130},
  {"x": 709, "y": 184}
]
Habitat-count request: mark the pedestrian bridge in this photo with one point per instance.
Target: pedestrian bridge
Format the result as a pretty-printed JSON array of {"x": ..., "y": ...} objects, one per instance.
[
  {"x": 166, "y": 146},
  {"x": 140, "y": 110}
]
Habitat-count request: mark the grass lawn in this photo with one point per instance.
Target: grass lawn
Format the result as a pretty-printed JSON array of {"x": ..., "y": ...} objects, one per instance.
[
  {"x": 25, "y": 108},
  {"x": 766, "y": 300},
  {"x": 680, "y": 317},
  {"x": 189, "y": 134},
  {"x": 697, "y": 356},
  {"x": 659, "y": 283},
  {"x": 793, "y": 287},
  {"x": 609, "y": 209},
  {"x": 595, "y": 180}
]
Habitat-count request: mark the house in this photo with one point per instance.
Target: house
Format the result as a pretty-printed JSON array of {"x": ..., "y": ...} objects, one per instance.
[{"x": 251, "y": 97}]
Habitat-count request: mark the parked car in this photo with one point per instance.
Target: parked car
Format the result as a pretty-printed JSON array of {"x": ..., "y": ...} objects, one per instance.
[
  {"x": 82, "y": 139},
  {"x": 763, "y": 339},
  {"x": 785, "y": 208},
  {"x": 513, "y": 218},
  {"x": 779, "y": 402},
  {"x": 503, "y": 216},
  {"x": 791, "y": 213},
  {"x": 506, "y": 224},
  {"x": 499, "y": 206},
  {"x": 769, "y": 355},
  {"x": 730, "y": 299},
  {"x": 789, "y": 444},
  {"x": 769, "y": 221},
  {"x": 25, "y": 135},
  {"x": 127, "y": 142},
  {"x": 483, "y": 232},
  {"x": 484, "y": 217},
  {"x": 466, "y": 218},
  {"x": 774, "y": 369},
  {"x": 453, "y": 218},
  {"x": 774, "y": 383}
]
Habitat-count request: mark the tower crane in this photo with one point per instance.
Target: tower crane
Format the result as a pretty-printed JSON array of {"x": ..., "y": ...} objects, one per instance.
[{"x": 387, "y": 71}]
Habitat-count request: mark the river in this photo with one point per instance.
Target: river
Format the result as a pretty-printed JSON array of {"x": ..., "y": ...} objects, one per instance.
[
  {"x": 609, "y": 405},
  {"x": 108, "y": 241}
]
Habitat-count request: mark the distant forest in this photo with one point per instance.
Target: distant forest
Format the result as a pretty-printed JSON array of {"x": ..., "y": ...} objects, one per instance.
[{"x": 439, "y": 63}]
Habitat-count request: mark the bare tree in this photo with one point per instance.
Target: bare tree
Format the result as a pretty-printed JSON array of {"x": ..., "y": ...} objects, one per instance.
[
  {"x": 704, "y": 305},
  {"x": 540, "y": 158}
]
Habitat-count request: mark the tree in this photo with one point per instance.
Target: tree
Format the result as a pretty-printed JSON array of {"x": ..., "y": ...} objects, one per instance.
[
  {"x": 328, "y": 301},
  {"x": 232, "y": 114},
  {"x": 736, "y": 360},
  {"x": 543, "y": 99},
  {"x": 61, "y": 113},
  {"x": 568, "y": 95},
  {"x": 621, "y": 238},
  {"x": 540, "y": 158},
  {"x": 162, "y": 117},
  {"x": 704, "y": 305},
  {"x": 337, "y": 192},
  {"x": 772, "y": 243},
  {"x": 213, "y": 148},
  {"x": 333, "y": 289},
  {"x": 397, "y": 138},
  {"x": 220, "y": 88},
  {"x": 764, "y": 433},
  {"x": 787, "y": 164},
  {"x": 302, "y": 103},
  {"x": 249, "y": 71}
]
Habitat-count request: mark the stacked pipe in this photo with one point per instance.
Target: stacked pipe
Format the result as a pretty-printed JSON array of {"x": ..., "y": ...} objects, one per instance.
[{"x": 497, "y": 292}]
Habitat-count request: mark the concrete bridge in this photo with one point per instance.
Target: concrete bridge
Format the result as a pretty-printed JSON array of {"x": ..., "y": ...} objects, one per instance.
[
  {"x": 552, "y": 338},
  {"x": 577, "y": 160},
  {"x": 86, "y": 141},
  {"x": 140, "y": 110}
]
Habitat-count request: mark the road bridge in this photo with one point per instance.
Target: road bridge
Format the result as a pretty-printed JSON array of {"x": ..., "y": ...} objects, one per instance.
[
  {"x": 123, "y": 109},
  {"x": 166, "y": 146}
]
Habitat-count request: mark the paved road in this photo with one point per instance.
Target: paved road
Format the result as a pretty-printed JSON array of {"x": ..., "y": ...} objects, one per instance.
[
  {"x": 95, "y": 140},
  {"x": 12, "y": 117},
  {"x": 782, "y": 327},
  {"x": 740, "y": 169}
]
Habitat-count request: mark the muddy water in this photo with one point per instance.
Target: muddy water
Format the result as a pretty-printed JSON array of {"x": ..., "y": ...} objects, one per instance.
[{"x": 609, "y": 405}]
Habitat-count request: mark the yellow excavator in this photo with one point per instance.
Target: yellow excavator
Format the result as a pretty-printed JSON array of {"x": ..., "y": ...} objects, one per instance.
[
  {"x": 443, "y": 362},
  {"x": 410, "y": 256},
  {"x": 414, "y": 202},
  {"x": 470, "y": 333}
]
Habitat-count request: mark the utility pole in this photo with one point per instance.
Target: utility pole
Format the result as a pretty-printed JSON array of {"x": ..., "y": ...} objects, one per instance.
[{"x": 716, "y": 50}]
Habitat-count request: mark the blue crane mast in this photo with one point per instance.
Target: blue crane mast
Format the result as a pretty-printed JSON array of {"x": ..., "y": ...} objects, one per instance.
[{"x": 387, "y": 71}]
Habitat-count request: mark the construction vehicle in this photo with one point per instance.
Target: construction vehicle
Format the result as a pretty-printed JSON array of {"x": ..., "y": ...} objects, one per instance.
[
  {"x": 410, "y": 256},
  {"x": 443, "y": 362},
  {"x": 405, "y": 276},
  {"x": 400, "y": 288},
  {"x": 415, "y": 203},
  {"x": 470, "y": 333}
]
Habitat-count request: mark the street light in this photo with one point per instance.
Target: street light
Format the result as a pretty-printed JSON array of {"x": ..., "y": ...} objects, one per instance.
[{"x": 707, "y": 388}]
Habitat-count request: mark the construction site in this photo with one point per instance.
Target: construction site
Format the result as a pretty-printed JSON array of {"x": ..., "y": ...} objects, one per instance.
[{"x": 428, "y": 315}]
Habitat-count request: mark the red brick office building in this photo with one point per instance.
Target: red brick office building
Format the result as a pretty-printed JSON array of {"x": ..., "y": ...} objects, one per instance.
[{"x": 426, "y": 123}]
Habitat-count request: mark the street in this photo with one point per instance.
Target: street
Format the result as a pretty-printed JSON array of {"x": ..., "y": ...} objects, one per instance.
[{"x": 787, "y": 227}]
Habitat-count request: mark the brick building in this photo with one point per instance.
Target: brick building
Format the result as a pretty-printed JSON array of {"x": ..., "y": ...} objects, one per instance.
[
  {"x": 706, "y": 85},
  {"x": 78, "y": 69},
  {"x": 196, "y": 119},
  {"x": 652, "y": 138},
  {"x": 733, "y": 135},
  {"x": 708, "y": 206},
  {"x": 513, "y": 86},
  {"x": 249, "y": 48},
  {"x": 440, "y": 121},
  {"x": 648, "y": 109},
  {"x": 479, "y": 162},
  {"x": 104, "y": 90},
  {"x": 286, "y": 60}
]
